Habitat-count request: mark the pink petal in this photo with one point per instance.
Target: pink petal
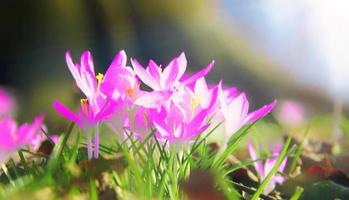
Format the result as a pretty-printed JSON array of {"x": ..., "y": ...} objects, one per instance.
[
  {"x": 152, "y": 99},
  {"x": 65, "y": 112},
  {"x": 87, "y": 62},
  {"x": 144, "y": 75},
  {"x": 182, "y": 65},
  {"x": 169, "y": 74},
  {"x": 84, "y": 74},
  {"x": 258, "y": 165},
  {"x": 207, "y": 97},
  {"x": 162, "y": 130},
  {"x": 119, "y": 60},
  {"x": 154, "y": 70},
  {"x": 106, "y": 111},
  {"x": 197, "y": 122},
  {"x": 234, "y": 113},
  {"x": 198, "y": 75},
  {"x": 252, "y": 117}
]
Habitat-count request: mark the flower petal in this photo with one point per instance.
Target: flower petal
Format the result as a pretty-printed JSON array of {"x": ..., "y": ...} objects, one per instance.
[
  {"x": 258, "y": 165},
  {"x": 153, "y": 99},
  {"x": 198, "y": 75},
  {"x": 144, "y": 75},
  {"x": 169, "y": 75},
  {"x": 65, "y": 112},
  {"x": 182, "y": 65},
  {"x": 119, "y": 60},
  {"x": 252, "y": 117}
]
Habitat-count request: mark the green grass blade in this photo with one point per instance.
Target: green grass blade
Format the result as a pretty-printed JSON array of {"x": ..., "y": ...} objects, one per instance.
[
  {"x": 300, "y": 148},
  {"x": 297, "y": 193}
]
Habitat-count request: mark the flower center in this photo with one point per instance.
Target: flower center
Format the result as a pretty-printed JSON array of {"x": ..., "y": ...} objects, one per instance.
[{"x": 195, "y": 102}]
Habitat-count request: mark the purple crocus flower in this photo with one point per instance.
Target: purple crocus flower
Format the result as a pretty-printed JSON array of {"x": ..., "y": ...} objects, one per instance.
[
  {"x": 119, "y": 87},
  {"x": 233, "y": 112},
  {"x": 121, "y": 82},
  {"x": 87, "y": 118},
  {"x": 13, "y": 137},
  {"x": 193, "y": 99},
  {"x": 171, "y": 76},
  {"x": 264, "y": 169},
  {"x": 172, "y": 126}
]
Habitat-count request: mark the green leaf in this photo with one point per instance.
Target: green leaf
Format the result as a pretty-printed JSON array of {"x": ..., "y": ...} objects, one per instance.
[{"x": 324, "y": 190}]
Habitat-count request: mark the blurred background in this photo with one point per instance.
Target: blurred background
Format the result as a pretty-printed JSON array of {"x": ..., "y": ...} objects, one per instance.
[{"x": 293, "y": 51}]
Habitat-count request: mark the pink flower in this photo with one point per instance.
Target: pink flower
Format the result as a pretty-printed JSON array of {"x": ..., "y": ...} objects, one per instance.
[
  {"x": 97, "y": 106},
  {"x": 6, "y": 103},
  {"x": 13, "y": 138},
  {"x": 291, "y": 113},
  {"x": 232, "y": 110},
  {"x": 139, "y": 124},
  {"x": 121, "y": 82},
  {"x": 86, "y": 118},
  {"x": 171, "y": 124},
  {"x": 84, "y": 74},
  {"x": 263, "y": 170},
  {"x": 169, "y": 77},
  {"x": 198, "y": 98}
]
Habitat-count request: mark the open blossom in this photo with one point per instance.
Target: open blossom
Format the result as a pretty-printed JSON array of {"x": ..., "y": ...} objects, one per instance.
[
  {"x": 97, "y": 106},
  {"x": 171, "y": 76},
  {"x": 86, "y": 118},
  {"x": 6, "y": 103},
  {"x": 264, "y": 169},
  {"x": 171, "y": 125},
  {"x": 199, "y": 97},
  {"x": 233, "y": 112},
  {"x": 13, "y": 137},
  {"x": 291, "y": 112},
  {"x": 179, "y": 106}
]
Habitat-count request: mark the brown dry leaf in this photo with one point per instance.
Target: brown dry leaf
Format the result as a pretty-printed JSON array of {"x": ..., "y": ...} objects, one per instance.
[
  {"x": 201, "y": 186},
  {"x": 46, "y": 148}
]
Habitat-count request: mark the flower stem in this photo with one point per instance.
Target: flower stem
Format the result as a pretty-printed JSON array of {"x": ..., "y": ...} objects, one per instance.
[
  {"x": 89, "y": 148},
  {"x": 96, "y": 142}
]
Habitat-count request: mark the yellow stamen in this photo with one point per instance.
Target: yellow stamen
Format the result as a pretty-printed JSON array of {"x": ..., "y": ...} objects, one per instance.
[
  {"x": 99, "y": 78},
  {"x": 195, "y": 102}
]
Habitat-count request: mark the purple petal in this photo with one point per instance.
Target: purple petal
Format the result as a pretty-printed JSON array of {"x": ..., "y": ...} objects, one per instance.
[
  {"x": 182, "y": 65},
  {"x": 258, "y": 165},
  {"x": 87, "y": 62},
  {"x": 106, "y": 111},
  {"x": 144, "y": 75},
  {"x": 197, "y": 122},
  {"x": 252, "y": 117},
  {"x": 154, "y": 70},
  {"x": 119, "y": 60},
  {"x": 198, "y": 75},
  {"x": 162, "y": 130},
  {"x": 65, "y": 112},
  {"x": 169, "y": 75},
  {"x": 153, "y": 99},
  {"x": 234, "y": 113}
]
